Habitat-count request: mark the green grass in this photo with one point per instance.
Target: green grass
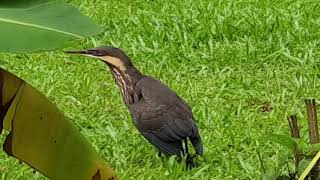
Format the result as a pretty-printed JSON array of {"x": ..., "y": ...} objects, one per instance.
[{"x": 225, "y": 58}]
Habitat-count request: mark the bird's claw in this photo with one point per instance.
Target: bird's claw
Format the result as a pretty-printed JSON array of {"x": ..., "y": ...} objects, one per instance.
[{"x": 190, "y": 162}]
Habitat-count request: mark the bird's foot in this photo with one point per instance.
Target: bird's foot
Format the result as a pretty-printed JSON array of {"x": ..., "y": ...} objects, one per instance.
[{"x": 190, "y": 162}]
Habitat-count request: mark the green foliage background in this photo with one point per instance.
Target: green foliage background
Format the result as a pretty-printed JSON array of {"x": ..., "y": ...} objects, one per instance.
[{"x": 226, "y": 58}]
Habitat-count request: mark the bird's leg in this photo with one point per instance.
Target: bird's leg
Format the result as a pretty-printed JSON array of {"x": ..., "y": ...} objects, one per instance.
[
  {"x": 189, "y": 158},
  {"x": 186, "y": 146}
]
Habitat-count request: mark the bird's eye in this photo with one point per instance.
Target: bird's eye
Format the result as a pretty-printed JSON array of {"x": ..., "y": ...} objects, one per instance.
[{"x": 94, "y": 52}]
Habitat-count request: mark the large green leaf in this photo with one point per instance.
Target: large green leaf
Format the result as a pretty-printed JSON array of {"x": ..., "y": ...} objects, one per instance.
[
  {"x": 43, "y": 137},
  {"x": 42, "y": 26},
  {"x": 20, "y": 3}
]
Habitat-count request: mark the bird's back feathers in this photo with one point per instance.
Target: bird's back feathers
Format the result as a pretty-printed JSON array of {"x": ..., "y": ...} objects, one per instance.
[{"x": 163, "y": 117}]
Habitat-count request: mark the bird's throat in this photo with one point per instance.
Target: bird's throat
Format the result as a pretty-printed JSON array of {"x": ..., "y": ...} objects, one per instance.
[{"x": 125, "y": 83}]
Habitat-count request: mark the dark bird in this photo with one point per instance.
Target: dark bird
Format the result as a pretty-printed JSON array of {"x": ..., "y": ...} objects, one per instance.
[{"x": 159, "y": 114}]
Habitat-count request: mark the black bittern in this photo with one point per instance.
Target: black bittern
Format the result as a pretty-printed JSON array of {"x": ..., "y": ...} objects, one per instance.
[{"x": 159, "y": 114}]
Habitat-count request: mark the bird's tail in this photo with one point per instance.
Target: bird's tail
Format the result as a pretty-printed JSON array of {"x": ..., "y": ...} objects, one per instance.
[{"x": 196, "y": 142}]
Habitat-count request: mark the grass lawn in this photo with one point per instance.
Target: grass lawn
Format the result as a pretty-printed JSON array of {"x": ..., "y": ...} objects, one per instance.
[{"x": 227, "y": 59}]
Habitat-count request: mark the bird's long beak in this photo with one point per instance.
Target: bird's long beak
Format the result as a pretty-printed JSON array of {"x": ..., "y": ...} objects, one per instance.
[
  {"x": 76, "y": 52},
  {"x": 87, "y": 52}
]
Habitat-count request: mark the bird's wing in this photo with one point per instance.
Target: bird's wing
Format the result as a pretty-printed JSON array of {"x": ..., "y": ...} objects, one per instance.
[{"x": 161, "y": 115}]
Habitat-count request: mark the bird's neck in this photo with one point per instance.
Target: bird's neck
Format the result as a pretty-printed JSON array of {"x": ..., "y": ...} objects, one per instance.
[{"x": 126, "y": 81}]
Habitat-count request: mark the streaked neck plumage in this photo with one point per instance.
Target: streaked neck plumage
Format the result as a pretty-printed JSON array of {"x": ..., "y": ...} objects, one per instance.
[{"x": 126, "y": 81}]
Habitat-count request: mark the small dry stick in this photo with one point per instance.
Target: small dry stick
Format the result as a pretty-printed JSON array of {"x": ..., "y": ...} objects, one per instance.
[
  {"x": 312, "y": 121},
  {"x": 313, "y": 130},
  {"x": 292, "y": 120}
]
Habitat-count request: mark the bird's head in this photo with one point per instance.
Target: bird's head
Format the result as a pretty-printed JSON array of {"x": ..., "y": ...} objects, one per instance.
[{"x": 111, "y": 55}]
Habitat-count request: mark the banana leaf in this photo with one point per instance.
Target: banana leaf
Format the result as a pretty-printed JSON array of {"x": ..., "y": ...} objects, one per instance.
[{"x": 43, "y": 137}]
